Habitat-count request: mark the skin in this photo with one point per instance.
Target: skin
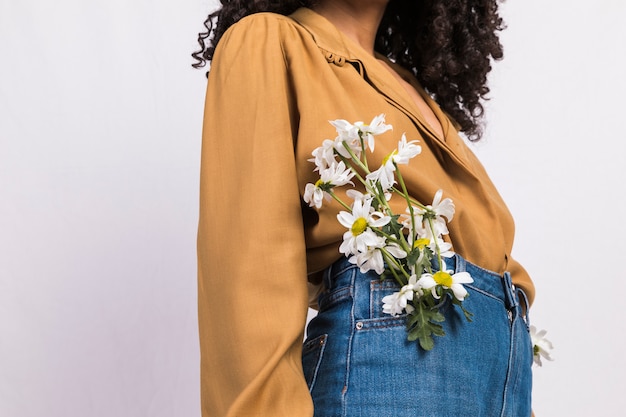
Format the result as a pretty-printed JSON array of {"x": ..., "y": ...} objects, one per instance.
[{"x": 359, "y": 21}]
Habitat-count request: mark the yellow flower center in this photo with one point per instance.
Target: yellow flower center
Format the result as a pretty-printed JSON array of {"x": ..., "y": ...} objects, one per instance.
[
  {"x": 318, "y": 183},
  {"x": 386, "y": 158},
  {"x": 359, "y": 226},
  {"x": 443, "y": 278},
  {"x": 421, "y": 243}
]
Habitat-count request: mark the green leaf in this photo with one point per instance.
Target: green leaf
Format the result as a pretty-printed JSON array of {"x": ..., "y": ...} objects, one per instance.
[
  {"x": 412, "y": 257},
  {"x": 427, "y": 343},
  {"x": 437, "y": 330},
  {"x": 422, "y": 324},
  {"x": 438, "y": 317},
  {"x": 393, "y": 227},
  {"x": 467, "y": 314},
  {"x": 412, "y": 319}
]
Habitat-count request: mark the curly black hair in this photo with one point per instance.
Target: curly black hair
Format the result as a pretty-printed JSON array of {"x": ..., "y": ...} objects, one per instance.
[{"x": 447, "y": 44}]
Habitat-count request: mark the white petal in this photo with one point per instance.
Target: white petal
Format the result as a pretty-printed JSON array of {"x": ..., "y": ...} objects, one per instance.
[
  {"x": 396, "y": 251},
  {"x": 342, "y": 126},
  {"x": 371, "y": 142},
  {"x": 459, "y": 291},
  {"x": 309, "y": 189},
  {"x": 462, "y": 278},
  {"x": 426, "y": 282},
  {"x": 378, "y": 222},
  {"x": 346, "y": 219},
  {"x": 361, "y": 208}
]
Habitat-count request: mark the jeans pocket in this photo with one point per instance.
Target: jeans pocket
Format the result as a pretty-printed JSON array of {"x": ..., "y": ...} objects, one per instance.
[
  {"x": 379, "y": 289},
  {"x": 312, "y": 353}
]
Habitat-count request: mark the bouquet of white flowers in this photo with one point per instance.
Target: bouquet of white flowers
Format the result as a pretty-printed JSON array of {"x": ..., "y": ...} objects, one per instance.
[{"x": 407, "y": 247}]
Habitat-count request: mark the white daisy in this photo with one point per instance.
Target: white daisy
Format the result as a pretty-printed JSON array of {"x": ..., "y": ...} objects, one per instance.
[
  {"x": 442, "y": 208},
  {"x": 376, "y": 127},
  {"x": 406, "y": 151},
  {"x": 448, "y": 281},
  {"x": 359, "y": 223},
  {"x": 335, "y": 175},
  {"x": 348, "y": 134},
  {"x": 542, "y": 347},
  {"x": 324, "y": 156},
  {"x": 385, "y": 175},
  {"x": 371, "y": 258},
  {"x": 435, "y": 212},
  {"x": 397, "y": 302}
]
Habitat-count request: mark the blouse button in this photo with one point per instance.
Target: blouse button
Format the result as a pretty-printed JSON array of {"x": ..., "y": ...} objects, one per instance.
[
  {"x": 334, "y": 59},
  {"x": 359, "y": 326}
]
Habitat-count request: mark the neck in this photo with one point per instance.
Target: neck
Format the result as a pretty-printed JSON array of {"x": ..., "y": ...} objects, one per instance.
[{"x": 357, "y": 19}]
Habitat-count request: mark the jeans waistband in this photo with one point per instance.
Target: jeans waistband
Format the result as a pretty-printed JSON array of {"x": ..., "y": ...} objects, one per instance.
[{"x": 486, "y": 281}]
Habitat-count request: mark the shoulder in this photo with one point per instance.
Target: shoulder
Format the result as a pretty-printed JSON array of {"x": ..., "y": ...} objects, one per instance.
[
  {"x": 264, "y": 19},
  {"x": 259, "y": 29},
  {"x": 263, "y": 38}
]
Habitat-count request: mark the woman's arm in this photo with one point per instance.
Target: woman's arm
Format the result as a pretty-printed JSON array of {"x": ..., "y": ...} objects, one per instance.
[{"x": 252, "y": 290}]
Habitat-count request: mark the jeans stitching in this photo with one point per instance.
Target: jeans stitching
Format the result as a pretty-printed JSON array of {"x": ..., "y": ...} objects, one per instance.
[
  {"x": 377, "y": 286},
  {"x": 331, "y": 298},
  {"x": 382, "y": 322},
  {"x": 488, "y": 294},
  {"x": 344, "y": 392},
  {"x": 317, "y": 344}
]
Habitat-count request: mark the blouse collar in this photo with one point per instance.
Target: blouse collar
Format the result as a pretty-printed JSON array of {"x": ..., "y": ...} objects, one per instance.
[{"x": 338, "y": 49}]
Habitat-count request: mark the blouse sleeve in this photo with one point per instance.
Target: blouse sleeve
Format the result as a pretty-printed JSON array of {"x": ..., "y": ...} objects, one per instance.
[{"x": 252, "y": 286}]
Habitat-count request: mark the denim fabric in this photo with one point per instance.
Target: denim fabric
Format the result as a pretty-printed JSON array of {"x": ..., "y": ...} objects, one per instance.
[{"x": 358, "y": 363}]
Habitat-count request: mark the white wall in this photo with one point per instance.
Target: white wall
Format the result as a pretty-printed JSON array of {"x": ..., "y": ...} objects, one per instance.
[
  {"x": 100, "y": 121},
  {"x": 100, "y": 118}
]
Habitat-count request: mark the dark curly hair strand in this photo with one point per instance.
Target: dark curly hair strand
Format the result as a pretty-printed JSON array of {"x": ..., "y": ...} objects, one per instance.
[{"x": 447, "y": 44}]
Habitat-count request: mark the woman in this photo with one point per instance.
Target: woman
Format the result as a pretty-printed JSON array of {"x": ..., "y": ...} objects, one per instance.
[{"x": 275, "y": 81}]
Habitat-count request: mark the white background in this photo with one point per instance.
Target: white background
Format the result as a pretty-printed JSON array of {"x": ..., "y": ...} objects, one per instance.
[{"x": 100, "y": 120}]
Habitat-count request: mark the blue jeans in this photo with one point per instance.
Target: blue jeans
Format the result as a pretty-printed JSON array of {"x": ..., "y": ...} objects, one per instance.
[{"x": 358, "y": 363}]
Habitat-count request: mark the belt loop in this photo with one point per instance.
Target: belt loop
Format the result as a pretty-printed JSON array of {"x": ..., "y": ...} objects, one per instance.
[
  {"x": 328, "y": 272},
  {"x": 509, "y": 292},
  {"x": 523, "y": 297},
  {"x": 460, "y": 265}
]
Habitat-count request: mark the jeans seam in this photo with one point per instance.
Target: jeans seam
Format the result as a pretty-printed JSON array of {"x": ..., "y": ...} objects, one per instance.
[
  {"x": 382, "y": 322},
  {"x": 508, "y": 371},
  {"x": 344, "y": 392},
  {"x": 488, "y": 294},
  {"x": 333, "y": 297},
  {"x": 317, "y": 344},
  {"x": 518, "y": 346}
]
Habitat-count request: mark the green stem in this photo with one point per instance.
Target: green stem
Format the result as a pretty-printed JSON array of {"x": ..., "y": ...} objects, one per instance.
[
  {"x": 405, "y": 194},
  {"x": 337, "y": 199},
  {"x": 376, "y": 192},
  {"x": 363, "y": 153},
  {"x": 392, "y": 238},
  {"x": 391, "y": 260},
  {"x": 437, "y": 249},
  {"x": 354, "y": 171},
  {"x": 413, "y": 201},
  {"x": 354, "y": 158}
]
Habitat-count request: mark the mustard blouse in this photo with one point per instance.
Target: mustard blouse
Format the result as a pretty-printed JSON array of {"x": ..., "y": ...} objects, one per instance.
[{"x": 274, "y": 83}]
